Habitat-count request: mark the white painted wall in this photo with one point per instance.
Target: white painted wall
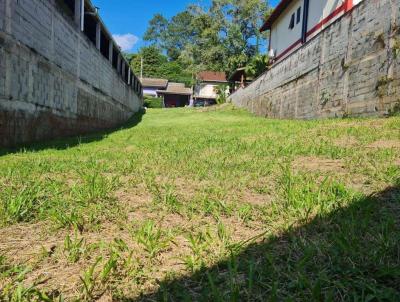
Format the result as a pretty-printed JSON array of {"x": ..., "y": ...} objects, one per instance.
[
  {"x": 206, "y": 90},
  {"x": 281, "y": 36},
  {"x": 320, "y": 9},
  {"x": 150, "y": 91}
]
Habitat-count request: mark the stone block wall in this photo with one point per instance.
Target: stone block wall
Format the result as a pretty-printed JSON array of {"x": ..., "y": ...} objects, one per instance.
[
  {"x": 53, "y": 80},
  {"x": 349, "y": 69}
]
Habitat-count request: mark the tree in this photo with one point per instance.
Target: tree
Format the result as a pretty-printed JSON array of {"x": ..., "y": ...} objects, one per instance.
[
  {"x": 152, "y": 60},
  {"x": 223, "y": 37},
  {"x": 257, "y": 66}
]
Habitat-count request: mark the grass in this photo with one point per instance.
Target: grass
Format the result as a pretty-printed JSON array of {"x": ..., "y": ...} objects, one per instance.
[{"x": 205, "y": 205}]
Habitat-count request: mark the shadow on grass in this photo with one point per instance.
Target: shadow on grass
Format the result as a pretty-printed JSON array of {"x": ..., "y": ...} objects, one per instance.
[
  {"x": 352, "y": 254},
  {"x": 69, "y": 142}
]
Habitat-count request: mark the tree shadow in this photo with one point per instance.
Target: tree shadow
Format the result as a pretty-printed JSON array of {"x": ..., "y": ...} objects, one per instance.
[
  {"x": 352, "y": 254},
  {"x": 70, "y": 142}
]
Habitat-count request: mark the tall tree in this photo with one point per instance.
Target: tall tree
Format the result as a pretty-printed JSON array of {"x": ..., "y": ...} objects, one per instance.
[
  {"x": 152, "y": 60},
  {"x": 222, "y": 37}
]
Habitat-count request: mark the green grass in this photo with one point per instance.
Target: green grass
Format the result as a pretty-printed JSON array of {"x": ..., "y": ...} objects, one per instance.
[{"x": 205, "y": 205}]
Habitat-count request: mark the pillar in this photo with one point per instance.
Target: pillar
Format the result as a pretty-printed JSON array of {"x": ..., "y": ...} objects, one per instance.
[
  {"x": 110, "y": 51},
  {"x": 123, "y": 69},
  {"x": 304, "y": 29},
  {"x": 98, "y": 35},
  {"x": 119, "y": 63},
  {"x": 78, "y": 13},
  {"x": 8, "y": 16}
]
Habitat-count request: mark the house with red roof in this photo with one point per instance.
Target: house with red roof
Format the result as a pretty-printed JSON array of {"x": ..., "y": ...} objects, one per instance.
[
  {"x": 294, "y": 22},
  {"x": 205, "y": 92}
]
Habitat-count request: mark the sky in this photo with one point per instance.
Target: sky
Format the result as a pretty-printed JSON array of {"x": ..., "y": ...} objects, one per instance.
[{"x": 127, "y": 20}]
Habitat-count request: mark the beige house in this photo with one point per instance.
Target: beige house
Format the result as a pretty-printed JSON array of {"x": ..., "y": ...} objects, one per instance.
[{"x": 206, "y": 84}]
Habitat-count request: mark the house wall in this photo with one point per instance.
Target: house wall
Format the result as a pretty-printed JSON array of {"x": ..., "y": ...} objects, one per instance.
[
  {"x": 150, "y": 91},
  {"x": 349, "y": 69},
  {"x": 206, "y": 90},
  {"x": 53, "y": 80},
  {"x": 320, "y": 9},
  {"x": 321, "y": 14},
  {"x": 282, "y": 36}
]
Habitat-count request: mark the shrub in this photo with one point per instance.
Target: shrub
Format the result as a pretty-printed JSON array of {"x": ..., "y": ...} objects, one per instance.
[{"x": 153, "y": 102}]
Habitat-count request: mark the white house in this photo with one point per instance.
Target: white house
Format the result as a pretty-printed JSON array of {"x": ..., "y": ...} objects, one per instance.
[
  {"x": 206, "y": 85},
  {"x": 294, "y": 22},
  {"x": 151, "y": 86}
]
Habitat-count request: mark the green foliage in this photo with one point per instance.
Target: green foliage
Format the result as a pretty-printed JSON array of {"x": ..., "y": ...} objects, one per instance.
[
  {"x": 222, "y": 94},
  {"x": 152, "y": 60},
  {"x": 153, "y": 102},
  {"x": 156, "y": 65},
  {"x": 152, "y": 238},
  {"x": 222, "y": 37},
  {"x": 21, "y": 206},
  {"x": 257, "y": 66}
]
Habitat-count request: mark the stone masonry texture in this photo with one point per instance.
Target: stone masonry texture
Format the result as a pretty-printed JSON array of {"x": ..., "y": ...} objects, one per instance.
[
  {"x": 53, "y": 80},
  {"x": 350, "y": 69}
]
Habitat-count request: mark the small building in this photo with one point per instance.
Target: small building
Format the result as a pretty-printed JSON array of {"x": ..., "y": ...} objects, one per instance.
[
  {"x": 205, "y": 91},
  {"x": 294, "y": 22},
  {"x": 176, "y": 95},
  {"x": 239, "y": 79},
  {"x": 151, "y": 85}
]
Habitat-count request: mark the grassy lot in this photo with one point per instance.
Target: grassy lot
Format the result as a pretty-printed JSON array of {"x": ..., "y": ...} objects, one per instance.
[{"x": 205, "y": 205}]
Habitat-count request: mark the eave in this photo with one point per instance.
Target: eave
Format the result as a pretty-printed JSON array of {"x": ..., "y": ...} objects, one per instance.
[{"x": 275, "y": 14}]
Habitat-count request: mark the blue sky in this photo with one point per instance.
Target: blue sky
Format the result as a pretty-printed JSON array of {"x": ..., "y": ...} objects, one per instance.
[{"x": 128, "y": 19}]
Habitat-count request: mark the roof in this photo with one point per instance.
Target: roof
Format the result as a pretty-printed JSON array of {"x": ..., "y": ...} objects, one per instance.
[
  {"x": 158, "y": 83},
  {"x": 275, "y": 14},
  {"x": 212, "y": 76},
  {"x": 237, "y": 75},
  {"x": 176, "y": 88}
]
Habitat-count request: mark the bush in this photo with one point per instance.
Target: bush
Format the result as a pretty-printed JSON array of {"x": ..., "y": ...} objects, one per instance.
[{"x": 153, "y": 102}]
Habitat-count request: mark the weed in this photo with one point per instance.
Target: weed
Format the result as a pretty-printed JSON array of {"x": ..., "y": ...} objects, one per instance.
[
  {"x": 24, "y": 204},
  {"x": 74, "y": 248},
  {"x": 152, "y": 238}
]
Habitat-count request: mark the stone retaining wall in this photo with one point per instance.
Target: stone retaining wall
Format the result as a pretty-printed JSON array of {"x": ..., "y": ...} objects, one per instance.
[
  {"x": 349, "y": 69},
  {"x": 53, "y": 80}
]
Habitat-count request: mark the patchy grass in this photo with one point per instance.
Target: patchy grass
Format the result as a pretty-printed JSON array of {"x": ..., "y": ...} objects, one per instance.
[{"x": 205, "y": 205}]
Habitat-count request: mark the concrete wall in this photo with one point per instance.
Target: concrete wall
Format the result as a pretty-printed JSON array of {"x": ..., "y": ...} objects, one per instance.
[
  {"x": 53, "y": 80},
  {"x": 349, "y": 69}
]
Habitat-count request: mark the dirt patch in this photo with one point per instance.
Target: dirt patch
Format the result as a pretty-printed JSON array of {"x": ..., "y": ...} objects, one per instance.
[
  {"x": 133, "y": 197},
  {"x": 346, "y": 142},
  {"x": 397, "y": 162},
  {"x": 22, "y": 243},
  {"x": 318, "y": 164},
  {"x": 385, "y": 144},
  {"x": 256, "y": 199}
]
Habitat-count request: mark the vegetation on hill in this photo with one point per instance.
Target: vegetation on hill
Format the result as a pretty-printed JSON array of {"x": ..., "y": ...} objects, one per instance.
[
  {"x": 157, "y": 65},
  {"x": 205, "y": 205},
  {"x": 221, "y": 37}
]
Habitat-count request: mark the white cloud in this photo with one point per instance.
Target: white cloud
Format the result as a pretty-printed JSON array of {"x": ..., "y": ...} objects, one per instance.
[{"x": 126, "y": 41}]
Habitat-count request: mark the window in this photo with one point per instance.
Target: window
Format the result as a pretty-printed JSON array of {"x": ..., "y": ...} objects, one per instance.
[
  {"x": 298, "y": 15},
  {"x": 291, "y": 25}
]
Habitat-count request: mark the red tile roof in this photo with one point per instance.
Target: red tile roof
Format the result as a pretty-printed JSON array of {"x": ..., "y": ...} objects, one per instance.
[
  {"x": 275, "y": 14},
  {"x": 212, "y": 76}
]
